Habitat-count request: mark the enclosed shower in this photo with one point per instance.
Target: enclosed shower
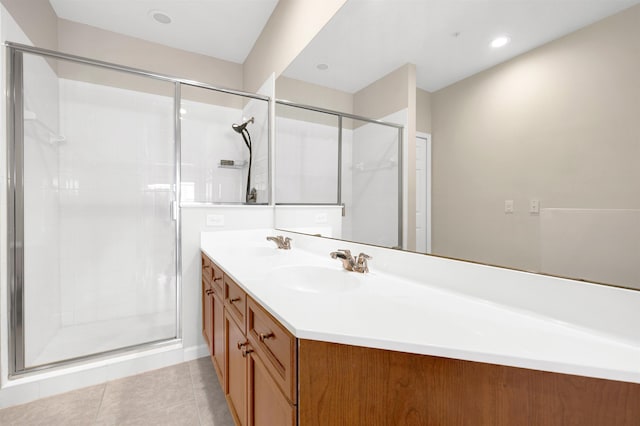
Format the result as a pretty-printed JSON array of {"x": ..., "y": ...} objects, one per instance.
[
  {"x": 101, "y": 159},
  {"x": 335, "y": 159}
]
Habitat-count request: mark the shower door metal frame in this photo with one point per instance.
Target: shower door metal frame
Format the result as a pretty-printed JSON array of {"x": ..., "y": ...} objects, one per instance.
[
  {"x": 341, "y": 116},
  {"x": 15, "y": 198},
  {"x": 15, "y": 210}
]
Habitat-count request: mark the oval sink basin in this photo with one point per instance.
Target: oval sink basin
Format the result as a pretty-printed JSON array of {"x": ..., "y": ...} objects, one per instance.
[{"x": 314, "y": 279}]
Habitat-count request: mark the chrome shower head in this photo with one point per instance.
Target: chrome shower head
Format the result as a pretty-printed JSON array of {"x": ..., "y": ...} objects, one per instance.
[{"x": 240, "y": 127}]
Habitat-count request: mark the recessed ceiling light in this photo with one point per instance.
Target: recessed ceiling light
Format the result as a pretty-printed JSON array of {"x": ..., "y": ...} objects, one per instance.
[
  {"x": 500, "y": 41},
  {"x": 322, "y": 67},
  {"x": 160, "y": 16}
]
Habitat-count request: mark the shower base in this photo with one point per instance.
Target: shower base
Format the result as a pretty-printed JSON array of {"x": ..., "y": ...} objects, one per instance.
[{"x": 102, "y": 336}]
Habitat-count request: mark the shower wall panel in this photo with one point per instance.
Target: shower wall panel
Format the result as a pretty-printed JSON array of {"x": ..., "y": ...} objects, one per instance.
[
  {"x": 116, "y": 175},
  {"x": 375, "y": 184},
  {"x": 347, "y": 183},
  {"x": 207, "y": 138},
  {"x": 100, "y": 241},
  {"x": 307, "y": 160},
  {"x": 259, "y": 131},
  {"x": 42, "y": 218}
]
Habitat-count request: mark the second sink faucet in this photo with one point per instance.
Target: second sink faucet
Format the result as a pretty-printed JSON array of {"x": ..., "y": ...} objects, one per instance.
[
  {"x": 358, "y": 264},
  {"x": 282, "y": 242}
]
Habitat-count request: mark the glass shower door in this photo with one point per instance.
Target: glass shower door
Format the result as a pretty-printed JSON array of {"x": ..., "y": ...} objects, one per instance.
[{"x": 97, "y": 272}]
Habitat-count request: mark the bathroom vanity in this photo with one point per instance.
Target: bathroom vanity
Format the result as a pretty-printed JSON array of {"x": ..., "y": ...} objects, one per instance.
[{"x": 295, "y": 339}]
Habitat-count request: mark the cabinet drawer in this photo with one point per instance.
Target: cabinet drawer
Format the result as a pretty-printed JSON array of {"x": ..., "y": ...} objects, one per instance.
[
  {"x": 207, "y": 268},
  {"x": 275, "y": 345},
  {"x": 217, "y": 278},
  {"x": 235, "y": 300}
]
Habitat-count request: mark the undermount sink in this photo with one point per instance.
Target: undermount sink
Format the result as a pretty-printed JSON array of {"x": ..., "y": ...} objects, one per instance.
[{"x": 314, "y": 279}]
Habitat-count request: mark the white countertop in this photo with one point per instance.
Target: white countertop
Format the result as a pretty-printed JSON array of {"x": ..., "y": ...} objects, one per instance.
[{"x": 388, "y": 311}]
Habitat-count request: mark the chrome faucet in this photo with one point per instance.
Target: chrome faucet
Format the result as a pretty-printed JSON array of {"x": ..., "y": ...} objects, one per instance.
[
  {"x": 358, "y": 264},
  {"x": 282, "y": 242}
]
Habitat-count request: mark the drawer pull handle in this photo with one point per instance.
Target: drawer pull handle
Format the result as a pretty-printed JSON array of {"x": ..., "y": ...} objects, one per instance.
[
  {"x": 265, "y": 336},
  {"x": 208, "y": 292},
  {"x": 245, "y": 352},
  {"x": 217, "y": 278},
  {"x": 234, "y": 300},
  {"x": 242, "y": 344}
]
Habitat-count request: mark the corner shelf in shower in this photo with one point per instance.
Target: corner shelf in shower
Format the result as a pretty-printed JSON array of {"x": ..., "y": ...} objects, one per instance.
[{"x": 232, "y": 165}]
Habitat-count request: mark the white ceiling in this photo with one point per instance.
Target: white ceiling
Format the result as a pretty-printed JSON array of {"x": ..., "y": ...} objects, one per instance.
[
  {"x": 225, "y": 29},
  {"x": 366, "y": 39}
]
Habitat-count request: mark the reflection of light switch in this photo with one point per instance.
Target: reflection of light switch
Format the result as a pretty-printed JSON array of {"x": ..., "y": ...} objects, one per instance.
[
  {"x": 215, "y": 220},
  {"x": 534, "y": 206},
  {"x": 508, "y": 206},
  {"x": 321, "y": 218}
]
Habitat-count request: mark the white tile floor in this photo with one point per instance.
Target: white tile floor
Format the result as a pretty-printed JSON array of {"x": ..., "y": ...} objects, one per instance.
[{"x": 184, "y": 394}]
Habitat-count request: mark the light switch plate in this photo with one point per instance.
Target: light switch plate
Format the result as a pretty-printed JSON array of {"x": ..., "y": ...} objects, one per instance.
[
  {"x": 534, "y": 206},
  {"x": 508, "y": 206},
  {"x": 321, "y": 218},
  {"x": 215, "y": 220}
]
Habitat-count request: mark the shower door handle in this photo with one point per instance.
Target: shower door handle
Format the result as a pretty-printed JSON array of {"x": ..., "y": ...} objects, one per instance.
[{"x": 174, "y": 210}]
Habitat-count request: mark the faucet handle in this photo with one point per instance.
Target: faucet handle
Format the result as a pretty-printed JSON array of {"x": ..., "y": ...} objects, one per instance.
[
  {"x": 345, "y": 251},
  {"x": 361, "y": 262},
  {"x": 286, "y": 243}
]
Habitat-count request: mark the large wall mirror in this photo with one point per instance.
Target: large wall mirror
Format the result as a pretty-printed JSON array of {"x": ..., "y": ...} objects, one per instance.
[{"x": 534, "y": 146}]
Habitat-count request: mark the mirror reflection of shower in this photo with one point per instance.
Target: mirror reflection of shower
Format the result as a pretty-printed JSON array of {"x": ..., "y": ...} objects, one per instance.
[{"x": 251, "y": 193}]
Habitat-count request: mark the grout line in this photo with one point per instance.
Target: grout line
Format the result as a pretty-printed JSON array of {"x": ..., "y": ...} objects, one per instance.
[
  {"x": 193, "y": 392},
  {"x": 104, "y": 391}
]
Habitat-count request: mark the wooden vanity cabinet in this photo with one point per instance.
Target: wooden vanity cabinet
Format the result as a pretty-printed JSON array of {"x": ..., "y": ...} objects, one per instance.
[
  {"x": 235, "y": 386},
  {"x": 254, "y": 354},
  {"x": 272, "y": 392},
  {"x": 217, "y": 316},
  {"x": 207, "y": 303},
  {"x": 271, "y": 378},
  {"x": 212, "y": 314},
  {"x": 267, "y": 405}
]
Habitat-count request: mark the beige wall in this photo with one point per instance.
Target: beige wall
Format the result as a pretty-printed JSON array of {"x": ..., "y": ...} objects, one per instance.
[
  {"x": 312, "y": 94},
  {"x": 305, "y": 93},
  {"x": 384, "y": 96},
  {"x": 292, "y": 25},
  {"x": 84, "y": 40},
  {"x": 37, "y": 19},
  {"x": 560, "y": 124},
  {"x": 423, "y": 111}
]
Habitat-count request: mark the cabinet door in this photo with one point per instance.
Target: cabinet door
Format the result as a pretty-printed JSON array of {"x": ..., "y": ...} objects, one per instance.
[
  {"x": 236, "y": 370},
  {"x": 207, "y": 315},
  {"x": 218, "y": 336},
  {"x": 267, "y": 404}
]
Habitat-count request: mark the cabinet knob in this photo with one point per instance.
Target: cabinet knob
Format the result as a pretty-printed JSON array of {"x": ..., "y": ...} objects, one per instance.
[
  {"x": 234, "y": 300},
  {"x": 242, "y": 344},
  {"x": 265, "y": 336},
  {"x": 246, "y": 351}
]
